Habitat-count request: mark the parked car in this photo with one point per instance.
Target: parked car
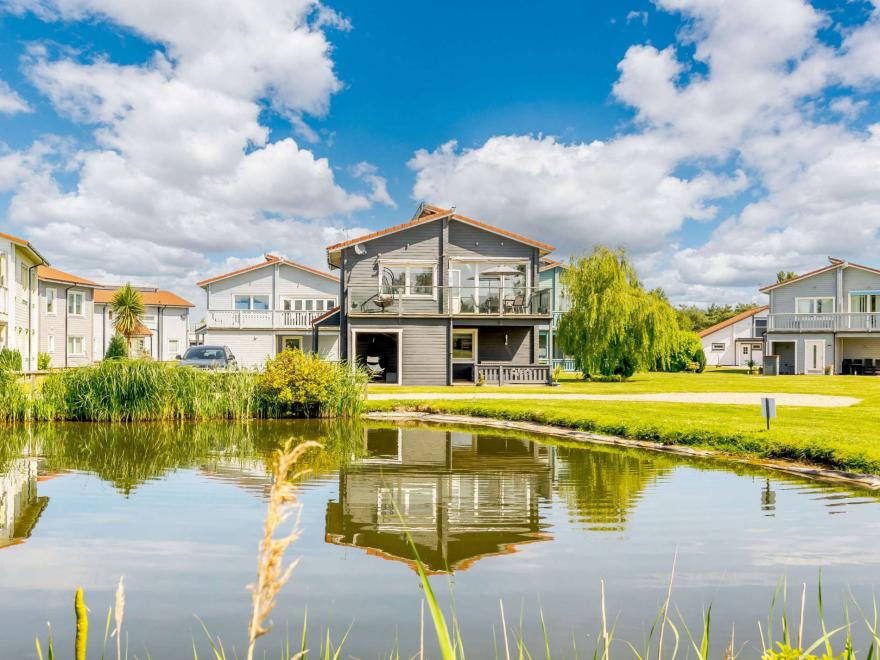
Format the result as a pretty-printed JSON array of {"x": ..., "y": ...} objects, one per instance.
[{"x": 208, "y": 357}]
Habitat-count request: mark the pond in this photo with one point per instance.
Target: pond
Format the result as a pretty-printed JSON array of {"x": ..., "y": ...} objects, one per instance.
[{"x": 178, "y": 511}]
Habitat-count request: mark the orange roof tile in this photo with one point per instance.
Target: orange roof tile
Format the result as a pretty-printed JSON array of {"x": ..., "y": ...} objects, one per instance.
[
  {"x": 270, "y": 259},
  {"x": 48, "y": 273},
  {"x": 431, "y": 213},
  {"x": 141, "y": 331},
  {"x": 25, "y": 244},
  {"x": 153, "y": 298},
  {"x": 733, "y": 319}
]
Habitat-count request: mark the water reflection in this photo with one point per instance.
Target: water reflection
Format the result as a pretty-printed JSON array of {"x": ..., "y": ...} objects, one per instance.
[
  {"x": 20, "y": 506},
  {"x": 461, "y": 496}
]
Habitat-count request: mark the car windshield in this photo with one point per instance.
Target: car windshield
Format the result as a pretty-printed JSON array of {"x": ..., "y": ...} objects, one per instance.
[{"x": 205, "y": 353}]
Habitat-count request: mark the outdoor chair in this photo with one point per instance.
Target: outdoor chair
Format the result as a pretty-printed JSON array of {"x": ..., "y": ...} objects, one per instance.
[
  {"x": 870, "y": 367},
  {"x": 858, "y": 366},
  {"x": 846, "y": 366},
  {"x": 373, "y": 367}
]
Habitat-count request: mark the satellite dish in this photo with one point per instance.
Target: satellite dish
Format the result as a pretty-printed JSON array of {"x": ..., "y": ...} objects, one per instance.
[{"x": 360, "y": 248}]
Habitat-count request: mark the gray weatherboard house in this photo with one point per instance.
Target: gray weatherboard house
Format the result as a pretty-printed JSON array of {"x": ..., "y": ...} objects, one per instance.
[
  {"x": 442, "y": 299},
  {"x": 829, "y": 317}
]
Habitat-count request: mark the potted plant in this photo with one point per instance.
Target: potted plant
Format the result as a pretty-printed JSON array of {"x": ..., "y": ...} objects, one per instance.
[
  {"x": 829, "y": 369},
  {"x": 753, "y": 367}
]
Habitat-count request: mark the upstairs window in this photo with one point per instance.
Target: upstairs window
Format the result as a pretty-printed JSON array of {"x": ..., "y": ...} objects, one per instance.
[
  {"x": 414, "y": 280},
  {"x": 75, "y": 303},
  {"x": 815, "y": 305},
  {"x": 251, "y": 302},
  {"x": 50, "y": 301}
]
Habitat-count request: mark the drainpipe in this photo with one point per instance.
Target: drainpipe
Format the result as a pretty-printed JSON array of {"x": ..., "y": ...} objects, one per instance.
[{"x": 31, "y": 270}]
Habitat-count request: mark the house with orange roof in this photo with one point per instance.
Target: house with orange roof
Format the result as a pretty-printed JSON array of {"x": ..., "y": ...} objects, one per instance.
[
  {"x": 738, "y": 340},
  {"x": 266, "y": 307},
  {"x": 66, "y": 317},
  {"x": 442, "y": 299},
  {"x": 19, "y": 308},
  {"x": 826, "y": 319},
  {"x": 164, "y": 331}
]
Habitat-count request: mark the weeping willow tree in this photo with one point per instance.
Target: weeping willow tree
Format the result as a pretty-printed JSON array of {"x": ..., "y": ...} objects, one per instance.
[{"x": 614, "y": 326}]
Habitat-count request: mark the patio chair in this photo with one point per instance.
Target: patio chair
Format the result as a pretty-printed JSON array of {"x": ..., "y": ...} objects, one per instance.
[
  {"x": 858, "y": 366},
  {"x": 870, "y": 368},
  {"x": 373, "y": 367},
  {"x": 846, "y": 366}
]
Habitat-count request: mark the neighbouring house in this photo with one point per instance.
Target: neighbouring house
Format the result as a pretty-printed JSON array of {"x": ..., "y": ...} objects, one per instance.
[
  {"x": 164, "y": 331},
  {"x": 736, "y": 341},
  {"x": 19, "y": 298},
  {"x": 67, "y": 318},
  {"x": 829, "y": 317},
  {"x": 550, "y": 276},
  {"x": 260, "y": 310},
  {"x": 441, "y": 299}
]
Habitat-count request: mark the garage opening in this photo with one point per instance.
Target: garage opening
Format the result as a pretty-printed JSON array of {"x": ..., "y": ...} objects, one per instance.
[
  {"x": 787, "y": 355},
  {"x": 379, "y": 352}
]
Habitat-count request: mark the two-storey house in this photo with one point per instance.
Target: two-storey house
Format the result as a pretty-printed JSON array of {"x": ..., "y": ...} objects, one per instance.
[
  {"x": 19, "y": 307},
  {"x": 66, "y": 317},
  {"x": 164, "y": 331},
  {"x": 441, "y": 299},
  {"x": 260, "y": 310},
  {"x": 829, "y": 317}
]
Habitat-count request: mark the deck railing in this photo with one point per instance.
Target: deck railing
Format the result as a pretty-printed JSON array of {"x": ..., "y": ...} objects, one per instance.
[
  {"x": 494, "y": 373},
  {"x": 260, "y": 319},
  {"x": 830, "y": 322},
  {"x": 509, "y": 300},
  {"x": 567, "y": 364}
]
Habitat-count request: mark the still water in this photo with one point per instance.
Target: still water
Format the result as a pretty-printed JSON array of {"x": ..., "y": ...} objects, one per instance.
[{"x": 178, "y": 511}]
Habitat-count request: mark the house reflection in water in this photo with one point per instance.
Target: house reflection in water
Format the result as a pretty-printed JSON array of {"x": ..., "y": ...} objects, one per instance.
[
  {"x": 461, "y": 496},
  {"x": 20, "y": 507}
]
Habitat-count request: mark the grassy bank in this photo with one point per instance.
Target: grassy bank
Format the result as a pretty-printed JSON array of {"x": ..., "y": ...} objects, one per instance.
[{"x": 843, "y": 438}]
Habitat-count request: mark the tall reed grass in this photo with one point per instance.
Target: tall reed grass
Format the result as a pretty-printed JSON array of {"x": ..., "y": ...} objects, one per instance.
[{"x": 141, "y": 390}]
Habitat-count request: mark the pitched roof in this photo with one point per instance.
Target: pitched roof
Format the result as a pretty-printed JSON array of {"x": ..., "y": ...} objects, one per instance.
[
  {"x": 152, "y": 298},
  {"x": 835, "y": 263},
  {"x": 325, "y": 315},
  {"x": 141, "y": 331},
  {"x": 733, "y": 319},
  {"x": 55, "y": 275},
  {"x": 429, "y": 213},
  {"x": 549, "y": 264},
  {"x": 25, "y": 244},
  {"x": 270, "y": 259}
]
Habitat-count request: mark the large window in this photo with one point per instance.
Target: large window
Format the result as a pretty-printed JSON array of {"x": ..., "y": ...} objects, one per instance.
[
  {"x": 815, "y": 305},
  {"x": 409, "y": 279},
  {"x": 864, "y": 303},
  {"x": 464, "y": 345},
  {"x": 75, "y": 303},
  {"x": 251, "y": 302},
  {"x": 308, "y": 304},
  {"x": 75, "y": 346},
  {"x": 50, "y": 301}
]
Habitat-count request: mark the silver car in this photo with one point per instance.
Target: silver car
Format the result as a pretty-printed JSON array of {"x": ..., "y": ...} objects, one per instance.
[{"x": 208, "y": 357}]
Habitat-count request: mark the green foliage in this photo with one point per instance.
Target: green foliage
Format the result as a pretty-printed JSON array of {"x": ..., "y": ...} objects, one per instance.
[
  {"x": 10, "y": 359},
  {"x": 614, "y": 326},
  {"x": 303, "y": 384},
  {"x": 117, "y": 348},
  {"x": 44, "y": 361},
  {"x": 82, "y": 625},
  {"x": 686, "y": 355},
  {"x": 785, "y": 275},
  {"x": 691, "y": 317},
  {"x": 127, "y": 306}
]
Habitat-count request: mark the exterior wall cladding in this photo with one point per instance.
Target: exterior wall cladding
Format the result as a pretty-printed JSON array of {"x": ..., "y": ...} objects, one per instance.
[{"x": 426, "y": 341}]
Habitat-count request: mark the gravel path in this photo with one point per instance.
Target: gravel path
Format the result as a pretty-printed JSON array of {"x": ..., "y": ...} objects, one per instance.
[{"x": 723, "y": 398}]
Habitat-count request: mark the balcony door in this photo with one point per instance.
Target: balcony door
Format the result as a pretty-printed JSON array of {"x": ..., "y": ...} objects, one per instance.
[{"x": 814, "y": 356}]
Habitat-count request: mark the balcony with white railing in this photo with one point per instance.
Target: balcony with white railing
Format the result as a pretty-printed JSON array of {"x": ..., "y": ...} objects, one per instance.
[
  {"x": 487, "y": 300},
  {"x": 260, "y": 319},
  {"x": 868, "y": 322},
  {"x": 4, "y": 302}
]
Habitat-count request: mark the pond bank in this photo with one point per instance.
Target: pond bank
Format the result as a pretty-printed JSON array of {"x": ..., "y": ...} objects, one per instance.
[{"x": 869, "y": 481}]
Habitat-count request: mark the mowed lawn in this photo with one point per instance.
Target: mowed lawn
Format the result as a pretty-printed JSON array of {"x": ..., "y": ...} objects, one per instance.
[{"x": 846, "y": 438}]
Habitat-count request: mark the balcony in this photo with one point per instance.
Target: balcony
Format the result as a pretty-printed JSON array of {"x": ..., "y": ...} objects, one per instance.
[
  {"x": 831, "y": 322},
  {"x": 459, "y": 301},
  {"x": 4, "y": 301},
  {"x": 260, "y": 319}
]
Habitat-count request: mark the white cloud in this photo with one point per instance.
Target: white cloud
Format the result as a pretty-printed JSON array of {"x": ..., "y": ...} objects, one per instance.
[
  {"x": 10, "y": 102},
  {"x": 737, "y": 126},
  {"x": 181, "y": 168}
]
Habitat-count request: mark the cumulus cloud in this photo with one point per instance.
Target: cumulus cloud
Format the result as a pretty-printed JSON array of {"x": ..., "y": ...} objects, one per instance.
[
  {"x": 181, "y": 168},
  {"x": 10, "y": 102},
  {"x": 734, "y": 126}
]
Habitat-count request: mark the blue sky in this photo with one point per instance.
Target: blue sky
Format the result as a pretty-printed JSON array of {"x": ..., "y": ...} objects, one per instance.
[{"x": 717, "y": 141}]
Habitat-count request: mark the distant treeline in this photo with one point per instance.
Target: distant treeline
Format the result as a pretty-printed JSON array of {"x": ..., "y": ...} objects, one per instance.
[{"x": 691, "y": 317}]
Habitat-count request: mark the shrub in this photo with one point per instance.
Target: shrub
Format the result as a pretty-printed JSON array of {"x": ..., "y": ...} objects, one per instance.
[
  {"x": 44, "y": 361},
  {"x": 686, "y": 354},
  {"x": 10, "y": 360},
  {"x": 300, "y": 384},
  {"x": 117, "y": 348}
]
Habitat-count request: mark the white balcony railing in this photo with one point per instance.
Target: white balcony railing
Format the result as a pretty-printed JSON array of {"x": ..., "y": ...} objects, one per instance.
[
  {"x": 4, "y": 300},
  {"x": 260, "y": 319},
  {"x": 831, "y": 322}
]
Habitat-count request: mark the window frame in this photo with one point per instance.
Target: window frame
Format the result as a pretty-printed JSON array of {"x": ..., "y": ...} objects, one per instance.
[
  {"x": 50, "y": 344},
  {"x": 54, "y": 309},
  {"x": 813, "y": 299},
  {"x": 408, "y": 285},
  {"x": 474, "y": 333},
  {"x": 174, "y": 351},
  {"x": 251, "y": 297},
  {"x": 82, "y": 346},
  {"x": 716, "y": 344},
  {"x": 76, "y": 295}
]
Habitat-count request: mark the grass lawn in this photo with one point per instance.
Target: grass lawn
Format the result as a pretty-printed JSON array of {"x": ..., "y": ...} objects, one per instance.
[{"x": 845, "y": 438}]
